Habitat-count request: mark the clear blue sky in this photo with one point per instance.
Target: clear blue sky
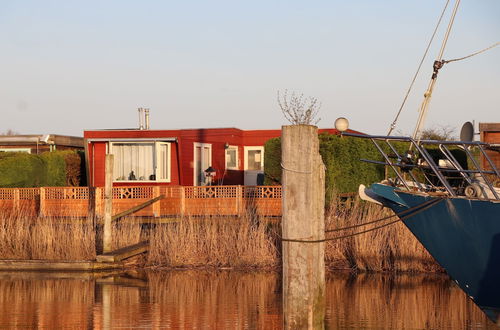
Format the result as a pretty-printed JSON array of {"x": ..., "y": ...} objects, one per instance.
[{"x": 70, "y": 65}]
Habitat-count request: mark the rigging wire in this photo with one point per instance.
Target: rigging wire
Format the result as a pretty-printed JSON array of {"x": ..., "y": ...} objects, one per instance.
[
  {"x": 393, "y": 125},
  {"x": 437, "y": 65},
  {"x": 473, "y": 54}
]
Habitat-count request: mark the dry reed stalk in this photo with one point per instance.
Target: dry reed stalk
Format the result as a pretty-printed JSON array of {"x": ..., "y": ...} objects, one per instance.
[
  {"x": 213, "y": 241},
  {"x": 25, "y": 237},
  {"x": 126, "y": 232},
  {"x": 392, "y": 248}
]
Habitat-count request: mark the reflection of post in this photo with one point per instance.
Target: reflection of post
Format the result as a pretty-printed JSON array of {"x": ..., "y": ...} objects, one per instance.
[
  {"x": 106, "y": 306},
  {"x": 303, "y": 219},
  {"x": 108, "y": 203}
]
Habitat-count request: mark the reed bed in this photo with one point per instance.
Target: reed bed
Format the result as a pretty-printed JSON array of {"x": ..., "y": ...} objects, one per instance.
[
  {"x": 391, "y": 248},
  {"x": 205, "y": 241},
  {"x": 24, "y": 237},
  {"x": 214, "y": 242}
]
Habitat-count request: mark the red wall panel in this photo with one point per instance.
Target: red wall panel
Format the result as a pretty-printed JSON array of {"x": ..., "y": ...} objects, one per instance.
[{"x": 182, "y": 151}]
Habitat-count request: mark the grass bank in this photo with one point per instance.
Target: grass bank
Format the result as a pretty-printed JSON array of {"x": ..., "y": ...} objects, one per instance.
[{"x": 218, "y": 242}]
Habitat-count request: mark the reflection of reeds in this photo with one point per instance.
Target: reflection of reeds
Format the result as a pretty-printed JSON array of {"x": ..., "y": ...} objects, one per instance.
[
  {"x": 213, "y": 241},
  {"x": 45, "y": 303},
  {"x": 399, "y": 302},
  {"x": 228, "y": 300},
  {"x": 392, "y": 248},
  {"x": 216, "y": 300}
]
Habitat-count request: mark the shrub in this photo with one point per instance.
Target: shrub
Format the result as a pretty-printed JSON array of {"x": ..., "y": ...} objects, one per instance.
[
  {"x": 57, "y": 168},
  {"x": 341, "y": 156},
  {"x": 22, "y": 170}
]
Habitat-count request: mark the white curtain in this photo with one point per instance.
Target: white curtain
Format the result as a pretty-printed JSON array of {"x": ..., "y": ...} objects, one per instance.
[{"x": 133, "y": 161}]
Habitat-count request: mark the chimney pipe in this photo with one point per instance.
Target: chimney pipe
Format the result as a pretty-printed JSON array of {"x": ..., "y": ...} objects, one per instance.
[
  {"x": 141, "y": 125},
  {"x": 146, "y": 117}
]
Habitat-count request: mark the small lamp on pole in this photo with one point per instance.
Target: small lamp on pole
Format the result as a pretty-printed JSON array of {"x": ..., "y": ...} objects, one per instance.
[{"x": 341, "y": 125}]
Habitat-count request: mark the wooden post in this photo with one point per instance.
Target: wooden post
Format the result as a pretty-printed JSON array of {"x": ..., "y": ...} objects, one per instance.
[
  {"x": 108, "y": 204},
  {"x": 16, "y": 206},
  {"x": 98, "y": 201},
  {"x": 303, "y": 219},
  {"x": 183, "y": 200},
  {"x": 239, "y": 200},
  {"x": 42, "y": 210},
  {"x": 157, "y": 205}
]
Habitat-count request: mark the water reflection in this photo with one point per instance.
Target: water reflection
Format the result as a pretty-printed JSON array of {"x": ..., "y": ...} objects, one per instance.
[{"x": 226, "y": 300}]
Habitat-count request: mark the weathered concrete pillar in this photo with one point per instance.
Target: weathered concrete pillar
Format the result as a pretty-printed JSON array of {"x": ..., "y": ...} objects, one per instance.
[
  {"x": 108, "y": 204},
  {"x": 303, "y": 182}
]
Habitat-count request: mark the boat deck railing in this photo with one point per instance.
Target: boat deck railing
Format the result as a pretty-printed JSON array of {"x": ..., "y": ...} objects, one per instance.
[{"x": 418, "y": 168}]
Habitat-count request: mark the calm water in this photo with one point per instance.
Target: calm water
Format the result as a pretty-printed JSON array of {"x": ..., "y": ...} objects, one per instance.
[{"x": 226, "y": 300}]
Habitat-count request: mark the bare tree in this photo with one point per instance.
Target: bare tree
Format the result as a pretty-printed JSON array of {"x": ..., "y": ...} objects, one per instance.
[
  {"x": 299, "y": 110},
  {"x": 440, "y": 133}
]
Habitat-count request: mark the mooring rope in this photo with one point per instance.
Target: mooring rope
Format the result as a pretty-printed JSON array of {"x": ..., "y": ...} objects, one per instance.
[
  {"x": 420, "y": 208},
  {"x": 411, "y": 209},
  {"x": 296, "y": 171}
]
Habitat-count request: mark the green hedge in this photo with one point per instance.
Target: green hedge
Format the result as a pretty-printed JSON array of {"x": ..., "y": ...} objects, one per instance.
[
  {"x": 50, "y": 169},
  {"x": 344, "y": 169},
  {"x": 341, "y": 156}
]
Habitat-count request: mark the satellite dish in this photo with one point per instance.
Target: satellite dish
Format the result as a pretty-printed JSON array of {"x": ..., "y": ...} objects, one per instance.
[{"x": 467, "y": 132}]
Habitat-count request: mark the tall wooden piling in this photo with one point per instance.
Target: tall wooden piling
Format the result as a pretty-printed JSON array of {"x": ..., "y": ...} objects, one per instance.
[
  {"x": 108, "y": 204},
  {"x": 303, "y": 219}
]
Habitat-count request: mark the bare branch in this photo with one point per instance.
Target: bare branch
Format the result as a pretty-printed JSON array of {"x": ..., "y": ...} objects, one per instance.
[{"x": 297, "y": 110}]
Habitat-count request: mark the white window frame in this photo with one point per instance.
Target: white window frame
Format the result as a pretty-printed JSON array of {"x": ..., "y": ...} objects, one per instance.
[
  {"x": 27, "y": 150},
  {"x": 245, "y": 156},
  {"x": 237, "y": 167},
  {"x": 156, "y": 156}
]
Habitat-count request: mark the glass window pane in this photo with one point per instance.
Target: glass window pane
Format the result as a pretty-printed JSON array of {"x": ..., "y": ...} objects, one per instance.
[
  {"x": 254, "y": 160},
  {"x": 133, "y": 161},
  {"x": 231, "y": 158},
  {"x": 163, "y": 165}
]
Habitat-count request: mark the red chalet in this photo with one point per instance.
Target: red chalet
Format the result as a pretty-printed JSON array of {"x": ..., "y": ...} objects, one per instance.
[{"x": 179, "y": 157}]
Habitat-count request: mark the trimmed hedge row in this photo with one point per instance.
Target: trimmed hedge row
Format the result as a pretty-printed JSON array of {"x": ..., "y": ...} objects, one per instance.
[
  {"x": 341, "y": 156},
  {"x": 50, "y": 169}
]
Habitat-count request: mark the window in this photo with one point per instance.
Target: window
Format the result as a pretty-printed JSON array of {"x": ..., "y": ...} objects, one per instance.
[
  {"x": 232, "y": 158},
  {"x": 27, "y": 150},
  {"x": 141, "y": 161},
  {"x": 254, "y": 158}
]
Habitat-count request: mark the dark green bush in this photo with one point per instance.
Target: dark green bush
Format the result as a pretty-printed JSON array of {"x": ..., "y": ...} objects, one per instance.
[
  {"x": 341, "y": 156},
  {"x": 22, "y": 170},
  {"x": 58, "y": 168},
  {"x": 55, "y": 174}
]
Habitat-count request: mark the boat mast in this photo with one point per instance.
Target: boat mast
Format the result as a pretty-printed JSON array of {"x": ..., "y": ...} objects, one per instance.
[{"x": 438, "y": 64}]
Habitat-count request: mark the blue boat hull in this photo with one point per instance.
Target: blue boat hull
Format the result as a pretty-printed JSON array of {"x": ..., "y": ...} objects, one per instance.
[{"x": 462, "y": 235}]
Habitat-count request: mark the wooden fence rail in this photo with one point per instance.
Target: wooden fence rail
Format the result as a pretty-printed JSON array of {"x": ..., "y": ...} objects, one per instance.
[{"x": 179, "y": 200}]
